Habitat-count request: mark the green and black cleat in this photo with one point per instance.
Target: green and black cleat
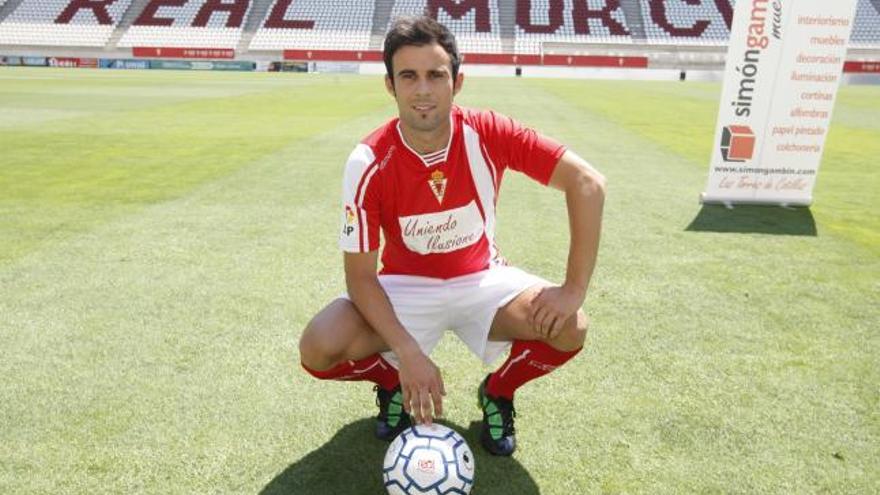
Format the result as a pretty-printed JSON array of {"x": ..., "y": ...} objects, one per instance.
[
  {"x": 392, "y": 419},
  {"x": 497, "y": 432}
]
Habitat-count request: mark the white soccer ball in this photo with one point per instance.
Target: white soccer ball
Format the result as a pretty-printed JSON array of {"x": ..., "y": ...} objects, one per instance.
[{"x": 428, "y": 460}]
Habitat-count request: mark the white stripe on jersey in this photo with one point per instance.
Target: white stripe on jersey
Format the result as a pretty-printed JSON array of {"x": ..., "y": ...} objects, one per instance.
[
  {"x": 365, "y": 222},
  {"x": 434, "y": 158},
  {"x": 436, "y": 154},
  {"x": 371, "y": 171},
  {"x": 358, "y": 163},
  {"x": 483, "y": 180},
  {"x": 433, "y": 161}
]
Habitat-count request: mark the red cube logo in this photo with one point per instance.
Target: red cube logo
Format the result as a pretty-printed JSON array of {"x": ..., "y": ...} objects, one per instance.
[{"x": 737, "y": 143}]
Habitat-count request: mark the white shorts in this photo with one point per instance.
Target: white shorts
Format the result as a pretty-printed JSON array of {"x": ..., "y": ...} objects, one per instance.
[{"x": 427, "y": 307}]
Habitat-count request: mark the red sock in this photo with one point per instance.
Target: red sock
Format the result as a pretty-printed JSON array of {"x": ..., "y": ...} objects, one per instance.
[
  {"x": 529, "y": 359},
  {"x": 373, "y": 368}
]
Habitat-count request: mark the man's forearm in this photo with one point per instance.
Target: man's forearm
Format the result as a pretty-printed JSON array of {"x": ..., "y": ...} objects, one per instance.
[
  {"x": 371, "y": 300},
  {"x": 585, "y": 199}
]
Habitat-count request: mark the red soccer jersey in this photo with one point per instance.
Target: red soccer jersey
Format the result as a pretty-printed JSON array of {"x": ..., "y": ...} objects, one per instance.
[{"x": 437, "y": 212}]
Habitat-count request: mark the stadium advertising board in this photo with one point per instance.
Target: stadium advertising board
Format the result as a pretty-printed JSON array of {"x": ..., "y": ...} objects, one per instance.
[
  {"x": 288, "y": 67},
  {"x": 223, "y": 65},
  {"x": 784, "y": 65},
  {"x": 85, "y": 63},
  {"x": 111, "y": 63},
  {"x": 198, "y": 53},
  {"x": 34, "y": 61},
  {"x": 862, "y": 67},
  {"x": 201, "y": 65},
  {"x": 170, "y": 65}
]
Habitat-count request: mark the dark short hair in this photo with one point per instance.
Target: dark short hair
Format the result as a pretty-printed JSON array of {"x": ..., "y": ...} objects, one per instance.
[{"x": 419, "y": 31}]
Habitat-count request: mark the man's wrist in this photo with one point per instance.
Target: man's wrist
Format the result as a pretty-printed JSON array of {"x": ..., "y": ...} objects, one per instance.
[
  {"x": 407, "y": 349},
  {"x": 579, "y": 289}
]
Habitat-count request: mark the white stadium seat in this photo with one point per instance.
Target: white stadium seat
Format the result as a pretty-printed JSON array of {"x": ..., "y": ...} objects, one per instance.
[
  {"x": 348, "y": 24},
  {"x": 683, "y": 17},
  {"x": 181, "y": 33},
  {"x": 866, "y": 28},
  {"x": 338, "y": 25},
  {"x": 39, "y": 22},
  {"x": 469, "y": 39},
  {"x": 530, "y": 43}
]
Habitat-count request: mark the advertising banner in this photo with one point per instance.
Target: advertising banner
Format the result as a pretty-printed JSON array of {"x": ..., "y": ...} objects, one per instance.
[
  {"x": 199, "y": 65},
  {"x": 223, "y": 65},
  {"x": 88, "y": 63},
  {"x": 784, "y": 66},
  {"x": 171, "y": 52},
  {"x": 33, "y": 61},
  {"x": 170, "y": 64},
  {"x": 862, "y": 67},
  {"x": 289, "y": 67},
  {"x": 124, "y": 64}
]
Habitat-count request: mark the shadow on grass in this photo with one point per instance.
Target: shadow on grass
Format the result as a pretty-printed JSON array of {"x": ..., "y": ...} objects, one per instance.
[
  {"x": 351, "y": 463},
  {"x": 754, "y": 220}
]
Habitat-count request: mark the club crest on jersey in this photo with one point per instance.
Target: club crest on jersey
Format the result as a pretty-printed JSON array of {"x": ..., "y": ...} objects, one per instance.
[{"x": 438, "y": 185}]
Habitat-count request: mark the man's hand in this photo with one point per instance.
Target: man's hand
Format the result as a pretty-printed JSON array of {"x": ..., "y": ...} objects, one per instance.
[
  {"x": 422, "y": 387},
  {"x": 552, "y": 307}
]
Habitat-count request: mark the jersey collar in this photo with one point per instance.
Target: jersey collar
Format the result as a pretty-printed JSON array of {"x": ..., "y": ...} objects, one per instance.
[{"x": 432, "y": 156}]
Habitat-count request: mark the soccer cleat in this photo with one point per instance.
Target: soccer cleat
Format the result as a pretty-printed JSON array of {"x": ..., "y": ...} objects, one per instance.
[
  {"x": 391, "y": 419},
  {"x": 497, "y": 432}
]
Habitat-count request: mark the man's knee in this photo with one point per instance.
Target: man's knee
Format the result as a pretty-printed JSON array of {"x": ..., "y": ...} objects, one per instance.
[
  {"x": 316, "y": 349},
  {"x": 573, "y": 334}
]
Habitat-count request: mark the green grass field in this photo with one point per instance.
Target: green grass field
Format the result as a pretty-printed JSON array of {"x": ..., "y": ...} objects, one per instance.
[{"x": 165, "y": 236}]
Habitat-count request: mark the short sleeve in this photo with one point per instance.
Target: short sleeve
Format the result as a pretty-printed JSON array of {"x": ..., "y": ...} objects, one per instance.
[
  {"x": 360, "y": 202},
  {"x": 522, "y": 148}
]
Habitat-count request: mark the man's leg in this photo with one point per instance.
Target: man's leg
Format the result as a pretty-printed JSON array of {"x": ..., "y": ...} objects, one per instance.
[
  {"x": 531, "y": 356},
  {"x": 338, "y": 344}
]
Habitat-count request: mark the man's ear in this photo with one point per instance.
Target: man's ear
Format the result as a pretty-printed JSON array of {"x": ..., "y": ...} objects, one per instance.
[
  {"x": 457, "y": 84},
  {"x": 389, "y": 86}
]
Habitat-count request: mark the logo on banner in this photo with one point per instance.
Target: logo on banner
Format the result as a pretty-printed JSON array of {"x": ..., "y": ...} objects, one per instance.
[
  {"x": 737, "y": 143},
  {"x": 438, "y": 185}
]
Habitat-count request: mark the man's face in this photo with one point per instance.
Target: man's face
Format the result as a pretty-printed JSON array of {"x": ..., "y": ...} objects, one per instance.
[{"x": 423, "y": 86}]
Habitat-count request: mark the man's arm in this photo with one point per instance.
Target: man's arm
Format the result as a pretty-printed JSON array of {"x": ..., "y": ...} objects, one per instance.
[
  {"x": 584, "y": 189},
  {"x": 420, "y": 379}
]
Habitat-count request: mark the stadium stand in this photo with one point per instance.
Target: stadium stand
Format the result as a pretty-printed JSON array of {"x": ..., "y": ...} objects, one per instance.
[
  {"x": 543, "y": 21},
  {"x": 61, "y": 23},
  {"x": 866, "y": 28},
  {"x": 687, "y": 21},
  {"x": 191, "y": 25},
  {"x": 316, "y": 25},
  {"x": 491, "y": 27},
  {"x": 476, "y": 27}
]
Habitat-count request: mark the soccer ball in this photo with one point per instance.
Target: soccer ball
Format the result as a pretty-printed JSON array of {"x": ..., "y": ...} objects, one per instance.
[{"x": 428, "y": 460}]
